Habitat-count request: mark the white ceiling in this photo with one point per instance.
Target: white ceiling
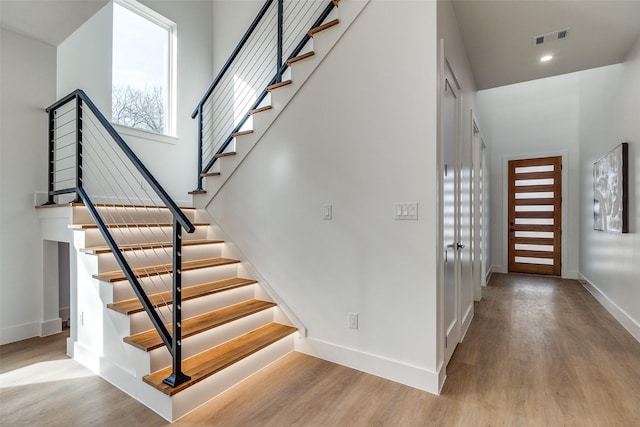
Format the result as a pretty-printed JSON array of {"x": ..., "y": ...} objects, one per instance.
[
  {"x": 50, "y": 21},
  {"x": 498, "y": 36}
]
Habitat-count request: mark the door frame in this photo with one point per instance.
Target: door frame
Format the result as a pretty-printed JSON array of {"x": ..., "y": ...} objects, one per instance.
[
  {"x": 479, "y": 199},
  {"x": 564, "y": 205}
]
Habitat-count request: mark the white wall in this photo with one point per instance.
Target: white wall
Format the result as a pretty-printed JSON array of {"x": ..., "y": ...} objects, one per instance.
[
  {"x": 610, "y": 263},
  {"x": 231, "y": 19},
  {"x": 28, "y": 69},
  {"x": 533, "y": 119},
  {"x": 84, "y": 61},
  {"x": 358, "y": 139}
]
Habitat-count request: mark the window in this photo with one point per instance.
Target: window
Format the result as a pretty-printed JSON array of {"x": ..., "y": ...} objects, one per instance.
[{"x": 143, "y": 68}]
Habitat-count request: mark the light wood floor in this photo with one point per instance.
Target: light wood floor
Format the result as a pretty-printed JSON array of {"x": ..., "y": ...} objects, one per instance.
[{"x": 540, "y": 352}]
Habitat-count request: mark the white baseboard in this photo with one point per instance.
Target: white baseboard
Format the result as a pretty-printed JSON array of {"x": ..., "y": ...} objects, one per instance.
[
  {"x": 466, "y": 322},
  {"x": 51, "y": 327},
  {"x": 619, "y": 314},
  {"x": 572, "y": 275},
  {"x": 413, "y": 376},
  {"x": 30, "y": 330},
  {"x": 19, "y": 332},
  {"x": 490, "y": 272}
]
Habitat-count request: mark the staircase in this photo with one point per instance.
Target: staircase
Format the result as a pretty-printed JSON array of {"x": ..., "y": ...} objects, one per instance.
[
  {"x": 230, "y": 326},
  {"x": 237, "y": 142},
  {"x": 174, "y": 318}
]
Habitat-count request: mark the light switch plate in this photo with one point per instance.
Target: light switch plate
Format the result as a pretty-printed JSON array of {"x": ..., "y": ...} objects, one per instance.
[
  {"x": 327, "y": 212},
  {"x": 405, "y": 210}
]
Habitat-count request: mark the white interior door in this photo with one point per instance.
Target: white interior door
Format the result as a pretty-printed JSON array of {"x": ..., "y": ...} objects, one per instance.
[{"x": 450, "y": 124}]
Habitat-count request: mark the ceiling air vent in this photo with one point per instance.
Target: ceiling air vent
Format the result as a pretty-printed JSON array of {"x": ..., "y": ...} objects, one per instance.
[{"x": 550, "y": 37}]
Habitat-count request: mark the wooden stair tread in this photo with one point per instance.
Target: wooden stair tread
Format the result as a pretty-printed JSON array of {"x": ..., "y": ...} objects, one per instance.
[
  {"x": 120, "y": 205},
  {"x": 244, "y": 132},
  {"x": 150, "y": 340},
  {"x": 261, "y": 109},
  {"x": 156, "y": 270},
  {"x": 207, "y": 363},
  {"x": 225, "y": 154},
  {"x": 278, "y": 85},
  {"x": 300, "y": 57},
  {"x": 97, "y": 250},
  {"x": 323, "y": 27},
  {"x": 206, "y": 174},
  {"x": 132, "y": 306},
  {"x": 137, "y": 225}
]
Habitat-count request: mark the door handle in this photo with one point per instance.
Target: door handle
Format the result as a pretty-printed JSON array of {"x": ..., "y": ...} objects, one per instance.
[{"x": 459, "y": 246}]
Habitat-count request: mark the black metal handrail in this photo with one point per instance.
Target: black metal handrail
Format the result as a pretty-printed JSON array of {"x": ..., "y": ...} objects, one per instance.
[
  {"x": 204, "y": 165},
  {"x": 171, "y": 340}
]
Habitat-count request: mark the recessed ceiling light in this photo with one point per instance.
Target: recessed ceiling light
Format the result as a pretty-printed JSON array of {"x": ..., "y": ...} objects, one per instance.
[{"x": 546, "y": 58}]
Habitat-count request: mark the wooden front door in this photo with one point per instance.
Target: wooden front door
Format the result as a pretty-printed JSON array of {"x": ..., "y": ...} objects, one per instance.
[{"x": 535, "y": 199}]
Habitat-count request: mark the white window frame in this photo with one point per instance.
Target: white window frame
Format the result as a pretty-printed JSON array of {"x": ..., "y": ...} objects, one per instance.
[{"x": 171, "y": 83}]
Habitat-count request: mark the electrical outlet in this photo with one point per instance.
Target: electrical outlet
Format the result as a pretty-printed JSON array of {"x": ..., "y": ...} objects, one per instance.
[{"x": 353, "y": 320}]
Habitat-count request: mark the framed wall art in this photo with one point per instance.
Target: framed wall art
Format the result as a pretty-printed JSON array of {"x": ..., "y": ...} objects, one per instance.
[{"x": 611, "y": 191}]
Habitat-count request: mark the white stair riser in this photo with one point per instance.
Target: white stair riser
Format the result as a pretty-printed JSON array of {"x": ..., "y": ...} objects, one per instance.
[
  {"x": 122, "y": 290},
  {"x": 159, "y": 256},
  {"x": 149, "y": 215},
  {"x": 160, "y": 358},
  {"x": 140, "y": 322},
  {"x": 130, "y": 235}
]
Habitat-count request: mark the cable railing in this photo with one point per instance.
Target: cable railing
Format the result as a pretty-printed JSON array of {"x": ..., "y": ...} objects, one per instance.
[
  {"x": 279, "y": 32},
  {"x": 88, "y": 158}
]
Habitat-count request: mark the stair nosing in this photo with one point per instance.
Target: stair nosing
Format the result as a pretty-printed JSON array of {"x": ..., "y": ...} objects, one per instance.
[
  {"x": 225, "y": 154},
  {"x": 249, "y": 308},
  {"x": 300, "y": 57},
  {"x": 278, "y": 85},
  {"x": 261, "y": 109},
  {"x": 241, "y": 133},
  {"x": 206, "y": 174},
  {"x": 312, "y": 32}
]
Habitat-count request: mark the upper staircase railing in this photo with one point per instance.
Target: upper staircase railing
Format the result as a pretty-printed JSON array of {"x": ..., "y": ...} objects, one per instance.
[
  {"x": 88, "y": 157},
  {"x": 279, "y": 31}
]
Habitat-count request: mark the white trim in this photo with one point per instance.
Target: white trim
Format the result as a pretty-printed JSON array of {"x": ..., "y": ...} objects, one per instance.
[
  {"x": 50, "y": 327},
  {"x": 145, "y": 134},
  {"x": 619, "y": 314},
  {"x": 466, "y": 322},
  {"x": 30, "y": 330},
  {"x": 19, "y": 332},
  {"x": 394, "y": 370},
  {"x": 564, "y": 212}
]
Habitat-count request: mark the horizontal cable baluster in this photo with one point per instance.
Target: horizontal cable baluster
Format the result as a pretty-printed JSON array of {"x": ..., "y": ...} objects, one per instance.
[{"x": 226, "y": 106}]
